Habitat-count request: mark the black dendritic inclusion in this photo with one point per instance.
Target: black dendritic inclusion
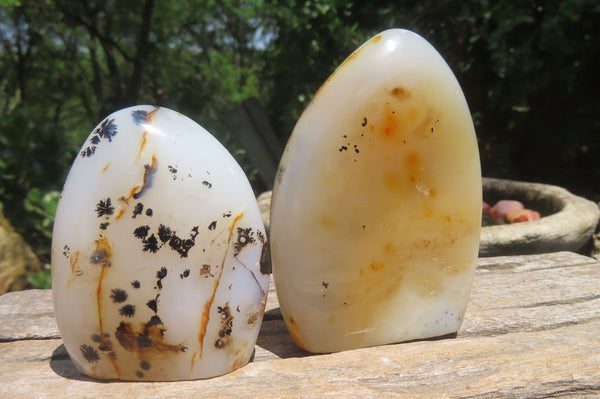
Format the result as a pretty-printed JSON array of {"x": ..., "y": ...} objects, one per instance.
[
  {"x": 141, "y": 232},
  {"x": 173, "y": 171},
  {"x": 107, "y": 130},
  {"x": 226, "y": 326},
  {"x": 144, "y": 365},
  {"x": 245, "y": 236},
  {"x": 139, "y": 116},
  {"x": 139, "y": 208},
  {"x": 183, "y": 246},
  {"x": 127, "y": 311},
  {"x": 162, "y": 273},
  {"x": 88, "y": 151},
  {"x": 135, "y": 284},
  {"x": 96, "y": 338},
  {"x": 166, "y": 235},
  {"x": 347, "y": 146},
  {"x": 151, "y": 244},
  {"x": 153, "y": 305},
  {"x": 118, "y": 295},
  {"x": 154, "y": 321},
  {"x": 104, "y": 207},
  {"x": 144, "y": 341},
  {"x": 89, "y": 353}
]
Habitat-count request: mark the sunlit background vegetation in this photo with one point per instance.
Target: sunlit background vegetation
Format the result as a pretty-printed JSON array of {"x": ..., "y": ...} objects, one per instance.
[{"x": 529, "y": 69}]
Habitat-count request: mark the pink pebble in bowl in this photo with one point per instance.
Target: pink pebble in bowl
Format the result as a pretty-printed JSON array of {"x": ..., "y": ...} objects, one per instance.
[
  {"x": 522, "y": 215},
  {"x": 504, "y": 207}
]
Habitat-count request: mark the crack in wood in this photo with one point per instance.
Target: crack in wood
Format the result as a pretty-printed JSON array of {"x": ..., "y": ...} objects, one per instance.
[{"x": 556, "y": 302}]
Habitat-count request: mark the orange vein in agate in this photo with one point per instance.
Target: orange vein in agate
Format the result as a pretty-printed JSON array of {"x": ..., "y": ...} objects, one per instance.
[
  {"x": 137, "y": 190},
  {"x": 149, "y": 119},
  {"x": 103, "y": 249},
  {"x": 73, "y": 261},
  {"x": 99, "y": 297},
  {"x": 142, "y": 145},
  {"x": 144, "y": 141},
  {"x": 121, "y": 213},
  {"x": 208, "y": 304},
  {"x": 147, "y": 172},
  {"x": 150, "y": 115}
]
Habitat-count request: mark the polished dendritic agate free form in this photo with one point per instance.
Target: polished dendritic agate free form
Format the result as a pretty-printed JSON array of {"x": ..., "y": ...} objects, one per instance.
[
  {"x": 376, "y": 210},
  {"x": 156, "y": 252}
]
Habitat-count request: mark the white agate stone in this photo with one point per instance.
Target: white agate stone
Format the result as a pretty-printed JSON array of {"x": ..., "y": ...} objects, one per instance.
[
  {"x": 156, "y": 252},
  {"x": 376, "y": 210}
]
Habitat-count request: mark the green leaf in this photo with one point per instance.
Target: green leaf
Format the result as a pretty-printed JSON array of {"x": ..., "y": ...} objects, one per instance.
[
  {"x": 50, "y": 202},
  {"x": 40, "y": 280}
]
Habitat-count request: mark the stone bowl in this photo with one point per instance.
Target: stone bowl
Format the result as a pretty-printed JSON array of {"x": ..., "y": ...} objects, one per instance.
[{"x": 567, "y": 221}]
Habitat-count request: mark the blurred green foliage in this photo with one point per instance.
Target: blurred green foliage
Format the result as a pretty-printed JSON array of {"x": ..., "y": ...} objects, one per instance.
[
  {"x": 40, "y": 280},
  {"x": 529, "y": 71}
]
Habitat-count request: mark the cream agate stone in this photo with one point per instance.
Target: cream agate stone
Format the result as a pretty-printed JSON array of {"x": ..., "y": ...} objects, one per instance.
[
  {"x": 376, "y": 209},
  {"x": 156, "y": 252}
]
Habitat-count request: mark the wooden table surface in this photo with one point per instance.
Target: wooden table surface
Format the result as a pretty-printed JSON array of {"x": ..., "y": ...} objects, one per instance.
[{"x": 532, "y": 329}]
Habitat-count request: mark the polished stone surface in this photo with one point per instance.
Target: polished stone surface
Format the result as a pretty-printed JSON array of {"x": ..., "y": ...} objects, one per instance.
[
  {"x": 156, "y": 252},
  {"x": 376, "y": 209}
]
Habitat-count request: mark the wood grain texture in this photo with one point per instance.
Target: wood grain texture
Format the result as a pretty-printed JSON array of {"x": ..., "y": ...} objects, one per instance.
[{"x": 532, "y": 329}]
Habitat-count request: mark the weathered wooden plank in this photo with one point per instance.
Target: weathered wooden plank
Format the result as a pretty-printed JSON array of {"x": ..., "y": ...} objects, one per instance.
[
  {"x": 527, "y": 293},
  {"x": 532, "y": 293},
  {"x": 532, "y": 329},
  {"x": 510, "y": 294},
  {"x": 27, "y": 315},
  {"x": 561, "y": 362}
]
